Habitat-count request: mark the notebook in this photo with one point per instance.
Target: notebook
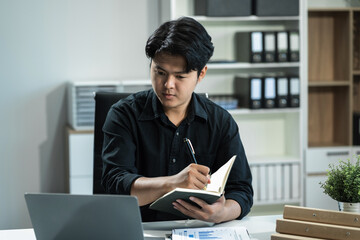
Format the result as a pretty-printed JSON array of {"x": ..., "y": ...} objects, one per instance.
[{"x": 65, "y": 216}]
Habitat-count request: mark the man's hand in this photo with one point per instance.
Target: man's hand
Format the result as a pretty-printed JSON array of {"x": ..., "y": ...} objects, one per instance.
[
  {"x": 194, "y": 176},
  {"x": 220, "y": 211}
]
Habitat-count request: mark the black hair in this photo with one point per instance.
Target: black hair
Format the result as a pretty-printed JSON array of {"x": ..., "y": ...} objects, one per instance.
[{"x": 185, "y": 37}]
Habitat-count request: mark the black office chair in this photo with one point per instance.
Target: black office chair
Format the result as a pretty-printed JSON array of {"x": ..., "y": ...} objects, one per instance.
[{"x": 103, "y": 102}]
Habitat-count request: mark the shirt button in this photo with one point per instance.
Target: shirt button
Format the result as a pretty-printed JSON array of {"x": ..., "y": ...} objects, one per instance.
[
  {"x": 177, "y": 133},
  {"x": 174, "y": 160}
]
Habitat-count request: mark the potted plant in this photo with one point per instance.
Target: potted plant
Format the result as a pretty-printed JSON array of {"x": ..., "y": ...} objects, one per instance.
[{"x": 343, "y": 184}]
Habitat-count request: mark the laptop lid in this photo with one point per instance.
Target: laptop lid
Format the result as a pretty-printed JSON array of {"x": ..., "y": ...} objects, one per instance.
[{"x": 65, "y": 216}]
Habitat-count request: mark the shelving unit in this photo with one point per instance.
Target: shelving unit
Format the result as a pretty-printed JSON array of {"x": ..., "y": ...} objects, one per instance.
[
  {"x": 271, "y": 137},
  {"x": 333, "y": 93}
]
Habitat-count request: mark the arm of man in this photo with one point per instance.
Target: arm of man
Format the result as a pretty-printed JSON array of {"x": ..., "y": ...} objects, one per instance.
[
  {"x": 238, "y": 197},
  {"x": 147, "y": 190}
]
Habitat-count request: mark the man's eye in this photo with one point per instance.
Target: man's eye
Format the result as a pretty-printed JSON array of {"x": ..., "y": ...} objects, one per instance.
[
  {"x": 180, "y": 77},
  {"x": 160, "y": 73}
]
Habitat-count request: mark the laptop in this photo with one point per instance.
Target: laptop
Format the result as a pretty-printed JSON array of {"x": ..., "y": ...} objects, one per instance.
[{"x": 65, "y": 216}]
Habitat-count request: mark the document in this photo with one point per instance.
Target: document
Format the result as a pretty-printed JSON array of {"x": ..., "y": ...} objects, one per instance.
[
  {"x": 226, "y": 233},
  {"x": 213, "y": 191}
]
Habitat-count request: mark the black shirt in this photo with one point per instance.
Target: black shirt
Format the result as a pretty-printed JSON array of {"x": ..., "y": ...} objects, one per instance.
[{"x": 140, "y": 140}]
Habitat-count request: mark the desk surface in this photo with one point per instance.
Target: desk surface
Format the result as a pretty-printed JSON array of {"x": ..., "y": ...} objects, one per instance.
[{"x": 259, "y": 227}]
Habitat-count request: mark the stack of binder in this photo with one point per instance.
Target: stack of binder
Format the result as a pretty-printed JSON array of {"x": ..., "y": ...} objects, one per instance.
[
  {"x": 313, "y": 223},
  {"x": 259, "y": 47},
  {"x": 257, "y": 92}
]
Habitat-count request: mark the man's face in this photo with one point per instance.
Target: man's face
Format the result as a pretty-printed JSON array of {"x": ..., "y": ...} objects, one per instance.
[{"x": 172, "y": 84}]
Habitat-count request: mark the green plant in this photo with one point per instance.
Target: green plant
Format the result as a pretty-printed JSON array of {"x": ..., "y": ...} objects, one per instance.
[{"x": 343, "y": 182}]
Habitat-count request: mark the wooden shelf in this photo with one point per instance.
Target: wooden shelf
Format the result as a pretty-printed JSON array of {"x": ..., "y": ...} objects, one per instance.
[
  {"x": 325, "y": 144},
  {"x": 245, "y": 19},
  {"x": 252, "y": 65},
  {"x": 328, "y": 84},
  {"x": 264, "y": 111}
]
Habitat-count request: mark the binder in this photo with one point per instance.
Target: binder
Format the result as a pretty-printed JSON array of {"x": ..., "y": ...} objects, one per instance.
[
  {"x": 281, "y": 236},
  {"x": 356, "y": 128},
  {"x": 282, "y": 92},
  {"x": 269, "y": 92},
  {"x": 321, "y": 216},
  {"x": 223, "y": 8},
  {"x": 271, "y": 182},
  {"x": 269, "y": 46},
  {"x": 279, "y": 182},
  {"x": 249, "y": 47},
  {"x": 282, "y": 46},
  {"x": 294, "y": 92},
  {"x": 295, "y": 181},
  {"x": 276, "y": 7},
  {"x": 294, "y": 46},
  {"x": 255, "y": 182},
  {"x": 287, "y": 181},
  {"x": 263, "y": 183},
  {"x": 317, "y": 230},
  {"x": 249, "y": 91}
]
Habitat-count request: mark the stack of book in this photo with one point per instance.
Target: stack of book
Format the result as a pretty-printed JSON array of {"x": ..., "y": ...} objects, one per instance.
[{"x": 311, "y": 223}]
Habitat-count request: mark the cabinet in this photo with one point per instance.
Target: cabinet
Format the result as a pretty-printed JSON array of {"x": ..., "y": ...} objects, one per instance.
[
  {"x": 271, "y": 137},
  {"x": 80, "y": 161},
  {"x": 333, "y": 94}
]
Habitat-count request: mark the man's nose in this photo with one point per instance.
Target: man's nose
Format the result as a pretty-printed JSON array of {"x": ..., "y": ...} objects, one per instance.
[{"x": 170, "y": 81}]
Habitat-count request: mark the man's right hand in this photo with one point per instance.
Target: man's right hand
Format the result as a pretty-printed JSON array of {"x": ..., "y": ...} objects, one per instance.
[{"x": 194, "y": 176}]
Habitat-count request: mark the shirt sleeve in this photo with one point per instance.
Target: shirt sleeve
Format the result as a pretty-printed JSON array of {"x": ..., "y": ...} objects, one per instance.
[
  {"x": 119, "y": 152},
  {"x": 238, "y": 186}
]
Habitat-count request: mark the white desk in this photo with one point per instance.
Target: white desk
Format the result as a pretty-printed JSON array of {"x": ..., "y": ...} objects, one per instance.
[{"x": 259, "y": 227}]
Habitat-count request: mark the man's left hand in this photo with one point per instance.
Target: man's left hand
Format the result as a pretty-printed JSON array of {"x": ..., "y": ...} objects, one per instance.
[{"x": 215, "y": 212}]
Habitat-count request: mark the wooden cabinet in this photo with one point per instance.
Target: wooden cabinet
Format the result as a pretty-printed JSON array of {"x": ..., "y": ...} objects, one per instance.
[
  {"x": 329, "y": 114},
  {"x": 333, "y": 95}
]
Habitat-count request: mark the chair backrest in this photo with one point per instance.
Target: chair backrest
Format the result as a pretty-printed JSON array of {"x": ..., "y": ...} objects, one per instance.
[{"x": 103, "y": 102}]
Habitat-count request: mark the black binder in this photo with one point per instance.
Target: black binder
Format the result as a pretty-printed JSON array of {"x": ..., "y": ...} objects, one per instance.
[
  {"x": 294, "y": 46},
  {"x": 282, "y": 92},
  {"x": 276, "y": 7},
  {"x": 269, "y": 46},
  {"x": 223, "y": 8},
  {"x": 356, "y": 128},
  {"x": 282, "y": 46},
  {"x": 294, "y": 89},
  {"x": 269, "y": 92},
  {"x": 249, "y": 91},
  {"x": 249, "y": 47}
]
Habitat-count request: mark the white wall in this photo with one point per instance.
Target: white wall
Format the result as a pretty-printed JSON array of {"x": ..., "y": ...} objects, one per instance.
[{"x": 44, "y": 44}]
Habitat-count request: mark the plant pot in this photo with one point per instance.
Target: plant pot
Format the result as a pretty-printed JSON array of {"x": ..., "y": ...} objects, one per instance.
[{"x": 349, "y": 207}]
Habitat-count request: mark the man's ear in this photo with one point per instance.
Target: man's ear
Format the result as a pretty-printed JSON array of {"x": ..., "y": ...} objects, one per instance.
[{"x": 202, "y": 74}]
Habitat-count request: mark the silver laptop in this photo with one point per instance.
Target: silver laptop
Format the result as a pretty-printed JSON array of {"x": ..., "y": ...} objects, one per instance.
[{"x": 65, "y": 216}]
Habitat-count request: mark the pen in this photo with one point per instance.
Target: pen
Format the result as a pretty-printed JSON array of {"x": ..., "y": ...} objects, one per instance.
[
  {"x": 192, "y": 152},
  {"x": 191, "y": 149}
]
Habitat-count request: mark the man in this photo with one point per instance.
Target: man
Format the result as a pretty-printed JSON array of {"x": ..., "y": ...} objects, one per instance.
[{"x": 144, "y": 153}]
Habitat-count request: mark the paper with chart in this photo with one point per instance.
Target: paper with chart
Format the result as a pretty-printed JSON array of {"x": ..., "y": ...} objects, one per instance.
[{"x": 225, "y": 233}]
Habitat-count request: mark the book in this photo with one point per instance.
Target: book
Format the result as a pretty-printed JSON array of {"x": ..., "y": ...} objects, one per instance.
[
  {"x": 280, "y": 236},
  {"x": 317, "y": 230},
  {"x": 226, "y": 233},
  {"x": 213, "y": 191},
  {"x": 322, "y": 216}
]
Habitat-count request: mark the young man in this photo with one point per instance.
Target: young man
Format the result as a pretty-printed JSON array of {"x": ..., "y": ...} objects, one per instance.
[{"x": 144, "y": 153}]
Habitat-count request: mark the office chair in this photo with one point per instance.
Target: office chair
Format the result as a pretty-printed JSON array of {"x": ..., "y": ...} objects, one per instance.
[{"x": 103, "y": 102}]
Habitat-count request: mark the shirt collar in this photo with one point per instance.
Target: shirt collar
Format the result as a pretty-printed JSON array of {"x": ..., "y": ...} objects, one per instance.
[{"x": 153, "y": 108}]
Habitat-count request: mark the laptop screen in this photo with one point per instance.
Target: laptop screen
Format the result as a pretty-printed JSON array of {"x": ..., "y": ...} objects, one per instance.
[{"x": 65, "y": 216}]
